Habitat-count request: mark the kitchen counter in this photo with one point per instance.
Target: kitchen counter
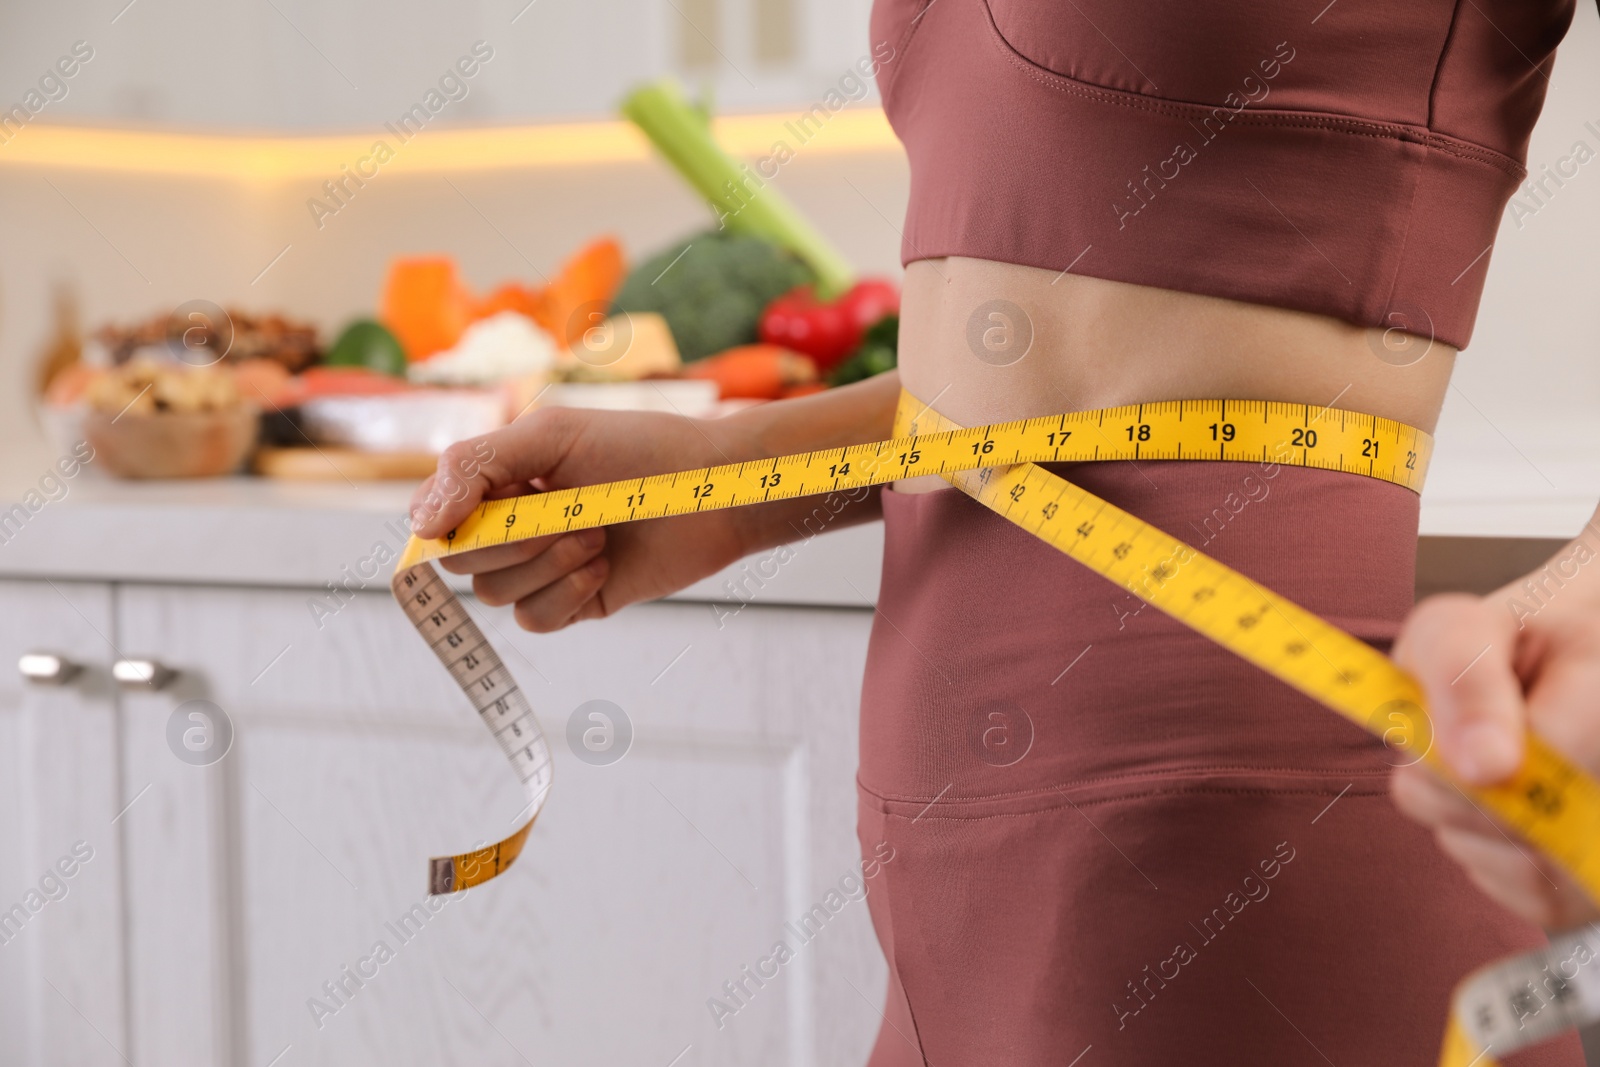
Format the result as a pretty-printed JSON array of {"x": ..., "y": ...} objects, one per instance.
[
  {"x": 255, "y": 531},
  {"x": 1529, "y": 480}
]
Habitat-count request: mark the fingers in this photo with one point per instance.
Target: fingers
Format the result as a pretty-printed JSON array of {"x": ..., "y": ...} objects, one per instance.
[
  {"x": 1473, "y": 662},
  {"x": 420, "y": 506},
  {"x": 474, "y": 469},
  {"x": 484, "y": 560},
  {"x": 1514, "y": 877},
  {"x": 1461, "y": 650},
  {"x": 450, "y": 492},
  {"x": 564, "y": 601},
  {"x": 523, "y": 579},
  {"x": 593, "y": 608},
  {"x": 1513, "y": 874},
  {"x": 1430, "y": 800},
  {"x": 1563, "y": 667}
]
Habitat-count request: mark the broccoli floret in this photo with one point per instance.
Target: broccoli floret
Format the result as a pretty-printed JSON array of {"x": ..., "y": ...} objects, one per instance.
[{"x": 712, "y": 288}]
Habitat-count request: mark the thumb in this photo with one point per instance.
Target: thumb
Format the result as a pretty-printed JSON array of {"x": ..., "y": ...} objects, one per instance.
[
  {"x": 481, "y": 467},
  {"x": 1461, "y": 650}
]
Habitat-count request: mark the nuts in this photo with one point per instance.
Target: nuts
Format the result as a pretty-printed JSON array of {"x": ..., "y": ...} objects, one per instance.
[
  {"x": 229, "y": 334},
  {"x": 149, "y": 387}
]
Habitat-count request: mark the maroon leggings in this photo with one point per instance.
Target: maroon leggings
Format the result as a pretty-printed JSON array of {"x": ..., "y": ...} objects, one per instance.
[{"x": 1111, "y": 835}]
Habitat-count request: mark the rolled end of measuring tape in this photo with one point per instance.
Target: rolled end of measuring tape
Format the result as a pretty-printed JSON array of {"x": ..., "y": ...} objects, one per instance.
[
  {"x": 451, "y": 874},
  {"x": 1525, "y": 999},
  {"x": 441, "y": 876}
]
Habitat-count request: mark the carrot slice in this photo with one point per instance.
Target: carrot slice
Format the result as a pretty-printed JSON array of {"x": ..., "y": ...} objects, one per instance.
[
  {"x": 587, "y": 283},
  {"x": 512, "y": 296},
  {"x": 756, "y": 372},
  {"x": 425, "y": 305}
]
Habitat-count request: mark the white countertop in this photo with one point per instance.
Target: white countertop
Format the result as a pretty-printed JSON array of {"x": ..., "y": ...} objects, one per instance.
[
  {"x": 256, "y": 531},
  {"x": 1537, "y": 480}
]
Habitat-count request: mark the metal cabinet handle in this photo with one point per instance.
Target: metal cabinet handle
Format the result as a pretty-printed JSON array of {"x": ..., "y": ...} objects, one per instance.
[
  {"x": 47, "y": 668},
  {"x": 141, "y": 673}
]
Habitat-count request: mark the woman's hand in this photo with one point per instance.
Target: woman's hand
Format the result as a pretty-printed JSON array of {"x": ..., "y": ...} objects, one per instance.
[
  {"x": 1524, "y": 658},
  {"x": 560, "y": 579},
  {"x": 563, "y": 578}
]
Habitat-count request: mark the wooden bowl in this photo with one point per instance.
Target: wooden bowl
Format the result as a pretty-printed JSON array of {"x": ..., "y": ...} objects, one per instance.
[{"x": 201, "y": 444}]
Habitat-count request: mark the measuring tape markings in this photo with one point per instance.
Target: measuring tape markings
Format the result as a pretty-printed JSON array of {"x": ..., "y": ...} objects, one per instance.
[
  {"x": 1211, "y": 429},
  {"x": 1549, "y": 801},
  {"x": 442, "y": 620},
  {"x": 1221, "y": 429}
]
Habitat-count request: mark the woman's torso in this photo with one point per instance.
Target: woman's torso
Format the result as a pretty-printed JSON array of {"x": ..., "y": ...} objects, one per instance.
[
  {"x": 1231, "y": 198},
  {"x": 987, "y": 342}
]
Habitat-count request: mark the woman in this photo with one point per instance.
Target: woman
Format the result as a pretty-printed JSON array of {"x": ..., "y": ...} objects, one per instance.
[{"x": 1113, "y": 839}]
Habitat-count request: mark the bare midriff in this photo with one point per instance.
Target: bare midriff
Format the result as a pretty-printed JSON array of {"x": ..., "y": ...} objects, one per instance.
[{"x": 988, "y": 342}]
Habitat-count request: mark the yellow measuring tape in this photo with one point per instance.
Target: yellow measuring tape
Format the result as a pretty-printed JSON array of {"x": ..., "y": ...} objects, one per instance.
[{"x": 1549, "y": 801}]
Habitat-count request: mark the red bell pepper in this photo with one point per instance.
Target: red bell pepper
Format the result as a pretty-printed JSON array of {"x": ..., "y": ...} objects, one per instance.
[
  {"x": 827, "y": 331},
  {"x": 869, "y": 301}
]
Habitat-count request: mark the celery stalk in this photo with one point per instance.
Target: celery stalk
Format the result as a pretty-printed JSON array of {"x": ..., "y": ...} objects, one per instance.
[{"x": 741, "y": 199}]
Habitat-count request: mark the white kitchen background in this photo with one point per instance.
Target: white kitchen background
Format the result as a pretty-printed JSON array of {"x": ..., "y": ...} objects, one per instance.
[
  {"x": 217, "y": 904},
  {"x": 132, "y": 243},
  {"x": 212, "y": 911},
  {"x": 305, "y": 65},
  {"x": 129, "y": 241}
]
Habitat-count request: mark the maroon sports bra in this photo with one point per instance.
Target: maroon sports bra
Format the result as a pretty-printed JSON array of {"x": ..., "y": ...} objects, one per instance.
[{"x": 1350, "y": 158}]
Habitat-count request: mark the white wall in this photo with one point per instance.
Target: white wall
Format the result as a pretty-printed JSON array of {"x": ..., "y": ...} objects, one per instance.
[
  {"x": 303, "y": 64},
  {"x": 1531, "y": 376}
]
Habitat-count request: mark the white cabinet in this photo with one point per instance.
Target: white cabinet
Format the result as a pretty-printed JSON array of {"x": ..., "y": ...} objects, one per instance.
[
  {"x": 63, "y": 969},
  {"x": 255, "y": 892}
]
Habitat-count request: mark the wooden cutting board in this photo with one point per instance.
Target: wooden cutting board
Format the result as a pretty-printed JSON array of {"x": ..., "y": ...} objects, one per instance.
[{"x": 324, "y": 464}]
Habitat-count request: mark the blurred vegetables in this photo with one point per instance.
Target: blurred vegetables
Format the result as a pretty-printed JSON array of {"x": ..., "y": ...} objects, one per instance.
[
  {"x": 512, "y": 296},
  {"x": 876, "y": 354},
  {"x": 827, "y": 331},
  {"x": 755, "y": 372},
  {"x": 587, "y": 283},
  {"x": 365, "y": 343},
  {"x": 428, "y": 308},
  {"x": 425, "y": 305},
  {"x": 682, "y": 133},
  {"x": 869, "y": 301},
  {"x": 798, "y": 320},
  {"x": 712, "y": 289}
]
